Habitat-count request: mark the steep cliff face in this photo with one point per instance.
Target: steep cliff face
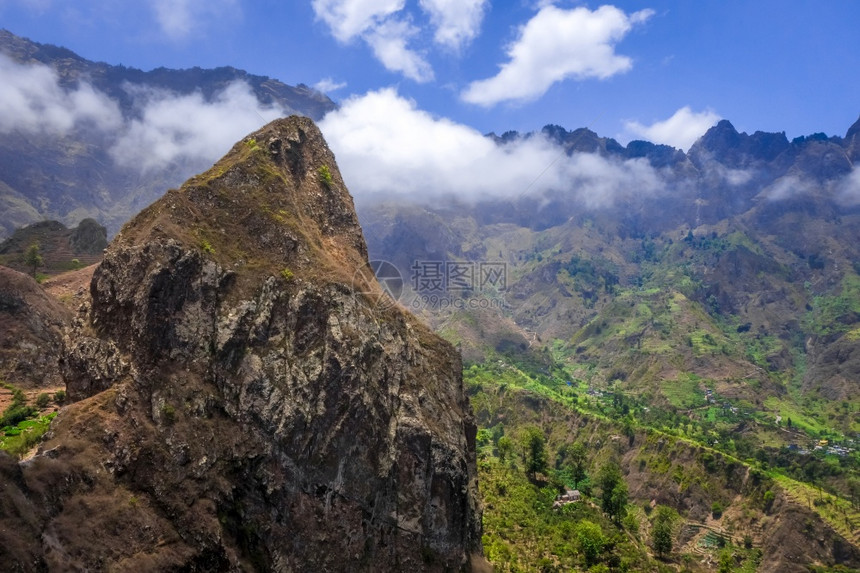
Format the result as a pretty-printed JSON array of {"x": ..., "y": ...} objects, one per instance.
[{"x": 246, "y": 399}]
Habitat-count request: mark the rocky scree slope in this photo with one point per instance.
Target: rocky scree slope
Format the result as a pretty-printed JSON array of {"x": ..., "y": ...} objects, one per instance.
[{"x": 240, "y": 404}]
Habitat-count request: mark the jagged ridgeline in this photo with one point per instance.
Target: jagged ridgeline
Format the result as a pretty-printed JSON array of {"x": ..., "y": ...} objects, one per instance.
[{"x": 242, "y": 401}]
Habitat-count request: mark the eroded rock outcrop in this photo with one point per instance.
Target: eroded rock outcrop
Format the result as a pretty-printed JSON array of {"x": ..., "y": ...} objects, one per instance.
[
  {"x": 31, "y": 325},
  {"x": 247, "y": 399}
]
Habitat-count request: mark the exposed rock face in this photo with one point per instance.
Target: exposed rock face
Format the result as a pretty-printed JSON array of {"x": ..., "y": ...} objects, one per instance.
[
  {"x": 31, "y": 324},
  {"x": 243, "y": 406}
]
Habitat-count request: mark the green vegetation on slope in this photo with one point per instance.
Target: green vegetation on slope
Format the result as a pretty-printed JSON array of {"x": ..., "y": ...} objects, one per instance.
[
  {"x": 836, "y": 314},
  {"x": 606, "y": 419},
  {"x": 21, "y": 426},
  {"x": 523, "y": 532}
]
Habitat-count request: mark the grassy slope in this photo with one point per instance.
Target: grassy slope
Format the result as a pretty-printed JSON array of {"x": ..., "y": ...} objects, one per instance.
[{"x": 522, "y": 535}]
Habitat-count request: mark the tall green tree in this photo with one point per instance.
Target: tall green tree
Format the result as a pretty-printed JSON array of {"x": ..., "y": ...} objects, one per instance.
[
  {"x": 662, "y": 531},
  {"x": 607, "y": 478},
  {"x": 591, "y": 541},
  {"x": 574, "y": 460},
  {"x": 504, "y": 446},
  {"x": 618, "y": 506},
  {"x": 533, "y": 443},
  {"x": 33, "y": 258},
  {"x": 614, "y": 493}
]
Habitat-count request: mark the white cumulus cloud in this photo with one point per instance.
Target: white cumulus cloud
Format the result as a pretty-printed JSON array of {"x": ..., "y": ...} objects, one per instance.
[
  {"x": 166, "y": 129},
  {"x": 328, "y": 85},
  {"x": 382, "y": 26},
  {"x": 457, "y": 22},
  {"x": 681, "y": 130},
  {"x": 32, "y": 101},
  {"x": 555, "y": 45},
  {"x": 389, "y": 44},
  {"x": 348, "y": 19},
  {"x": 188, "y": 129},
  {"x": 386, "y": 145}
]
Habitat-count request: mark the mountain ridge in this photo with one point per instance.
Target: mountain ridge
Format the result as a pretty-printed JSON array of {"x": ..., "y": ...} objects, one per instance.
[
  {"x": 109, "y": 78},
  {"x": 737, "y": 276},
  {"x": 78, "y": 172}
]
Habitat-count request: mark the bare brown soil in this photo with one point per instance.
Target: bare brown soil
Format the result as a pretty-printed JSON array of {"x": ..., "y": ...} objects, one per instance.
[{"x": 70, "y": 288}]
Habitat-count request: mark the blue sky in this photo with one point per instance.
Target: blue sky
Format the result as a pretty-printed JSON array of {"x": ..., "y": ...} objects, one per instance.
[{"x": 765, "y": 65}]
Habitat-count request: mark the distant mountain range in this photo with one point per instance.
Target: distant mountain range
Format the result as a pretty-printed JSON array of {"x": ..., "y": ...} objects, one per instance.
[
  {"x": 70, "y": 153},
  {"x": 739, "y": 268},
  {"x": 724, "y": 173}
]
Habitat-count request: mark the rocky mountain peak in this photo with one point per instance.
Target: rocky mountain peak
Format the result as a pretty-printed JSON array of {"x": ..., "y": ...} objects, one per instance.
[
  {"x": 718, "y": 140},
  {"x": 261, "y": 406},
  {"x": 276, "y": 200},
  {"x": 734, "y": 149},
  {"x": 581, "y": 140}
]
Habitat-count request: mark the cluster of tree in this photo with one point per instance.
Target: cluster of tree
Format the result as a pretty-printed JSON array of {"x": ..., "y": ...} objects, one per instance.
[
  {"x": 814, "y": 468},
  {"x": 571, "y": 470},
  {"x": 592, "y": 275},
  {"x": 712, "y": 242},
  {"x": 571, "y": 461},
  {"x": 646, "y": 252}
]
